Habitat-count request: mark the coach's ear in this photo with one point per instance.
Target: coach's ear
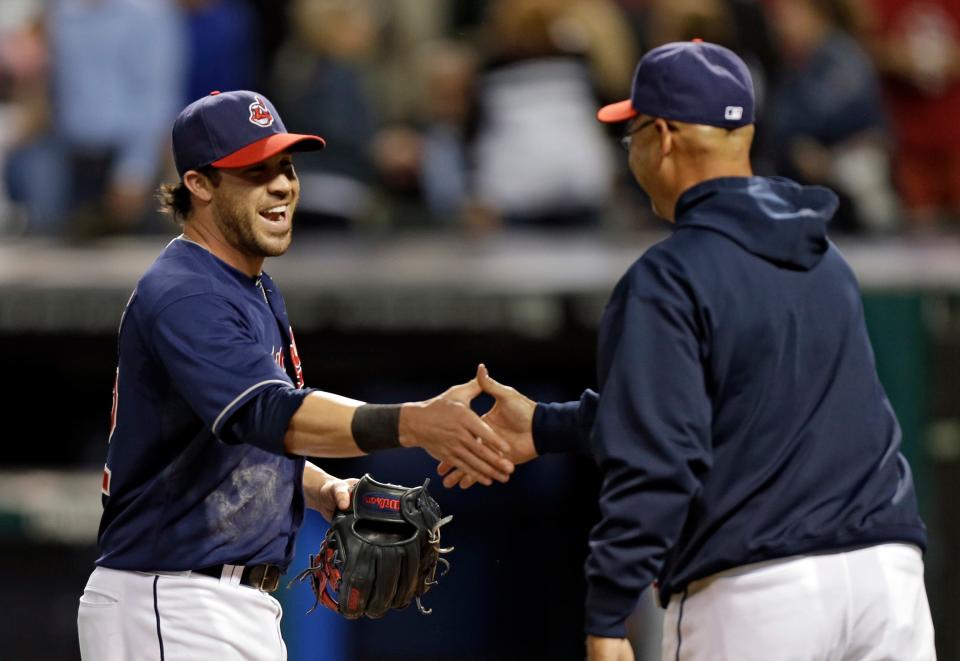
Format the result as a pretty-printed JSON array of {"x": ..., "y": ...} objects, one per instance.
[{"x": 199, "y": 185}]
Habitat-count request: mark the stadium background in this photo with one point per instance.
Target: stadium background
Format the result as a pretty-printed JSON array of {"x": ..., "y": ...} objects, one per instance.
[{"x": 468, "y": 210}]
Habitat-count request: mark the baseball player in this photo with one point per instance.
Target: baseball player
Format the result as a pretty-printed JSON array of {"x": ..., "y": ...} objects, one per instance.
[
  {"x": 750, "y": 458},
  {"x": 205, "y": 482}
]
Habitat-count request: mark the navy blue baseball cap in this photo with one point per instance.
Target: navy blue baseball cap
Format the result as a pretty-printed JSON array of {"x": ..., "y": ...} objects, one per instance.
[
  {"x": 233, "y": 130},
  {"x": 689, "y": 81}
]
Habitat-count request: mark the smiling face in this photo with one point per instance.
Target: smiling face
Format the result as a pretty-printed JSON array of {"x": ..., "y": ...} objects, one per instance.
[{"x": 253, "y": 207}]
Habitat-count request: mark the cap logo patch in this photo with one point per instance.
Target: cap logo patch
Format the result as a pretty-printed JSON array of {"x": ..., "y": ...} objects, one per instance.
[
  {"x": 734, "y": 113},
  {"x": 260, "y": 114}
]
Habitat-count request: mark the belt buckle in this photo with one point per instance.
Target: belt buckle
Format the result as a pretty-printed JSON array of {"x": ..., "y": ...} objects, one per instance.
[{"x": 270, "y": 579}]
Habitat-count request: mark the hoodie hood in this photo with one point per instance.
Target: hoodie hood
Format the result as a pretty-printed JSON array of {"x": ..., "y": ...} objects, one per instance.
[{"x": 773, "y": 218}]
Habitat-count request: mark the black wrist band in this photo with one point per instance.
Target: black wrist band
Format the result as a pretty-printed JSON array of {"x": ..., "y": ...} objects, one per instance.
[{"x": 376, "y": 427}]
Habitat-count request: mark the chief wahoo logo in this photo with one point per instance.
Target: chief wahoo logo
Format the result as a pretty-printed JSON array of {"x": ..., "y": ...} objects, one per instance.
[{"x": 260, "y": 114}]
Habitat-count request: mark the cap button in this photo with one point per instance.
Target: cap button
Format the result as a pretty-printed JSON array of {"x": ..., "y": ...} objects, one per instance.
[{"x": 214, "y": 92}]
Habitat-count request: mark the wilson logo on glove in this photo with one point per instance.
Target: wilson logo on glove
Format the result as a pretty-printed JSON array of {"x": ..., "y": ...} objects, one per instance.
[
  {"x": 382, "y": 502},
  {"x": 380, "y": 554}
]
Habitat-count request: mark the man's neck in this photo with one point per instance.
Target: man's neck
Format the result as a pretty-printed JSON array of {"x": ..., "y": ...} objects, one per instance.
[
  {"x": 213, "y": 241},
  {"x": 706, "y": 172}
]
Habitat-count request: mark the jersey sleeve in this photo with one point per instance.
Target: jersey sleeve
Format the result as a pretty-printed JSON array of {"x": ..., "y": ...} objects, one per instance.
[
  {"x": 264, "y": 419},
  {"x": 651, "y": 440},
  {"x": 213, "y": 356}
]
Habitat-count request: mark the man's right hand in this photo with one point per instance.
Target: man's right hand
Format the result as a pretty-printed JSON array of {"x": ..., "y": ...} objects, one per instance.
[
  {"x": 511, "y": 417},
  {"x": 452, "y": 433}
]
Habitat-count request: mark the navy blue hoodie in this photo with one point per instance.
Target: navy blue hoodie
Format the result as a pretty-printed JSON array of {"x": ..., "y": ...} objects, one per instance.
[{"x": 740, "y": 417}]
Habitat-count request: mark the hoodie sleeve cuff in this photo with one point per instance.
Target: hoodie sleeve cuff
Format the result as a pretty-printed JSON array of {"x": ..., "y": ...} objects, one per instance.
[
  {"x": 555, "y": 427},
  {"x": 607, "y": 612},
  {"x": 564, "y": 426}
]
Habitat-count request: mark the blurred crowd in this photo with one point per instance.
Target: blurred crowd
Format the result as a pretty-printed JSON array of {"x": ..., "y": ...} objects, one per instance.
[{"x": 475, "y": 113}]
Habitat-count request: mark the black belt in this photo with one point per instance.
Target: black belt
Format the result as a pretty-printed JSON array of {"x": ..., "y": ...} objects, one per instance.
[{"x": 265, "y": 578}]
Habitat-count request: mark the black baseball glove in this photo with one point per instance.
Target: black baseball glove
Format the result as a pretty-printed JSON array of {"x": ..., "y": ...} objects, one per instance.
[{"x": 380, "y": 554}]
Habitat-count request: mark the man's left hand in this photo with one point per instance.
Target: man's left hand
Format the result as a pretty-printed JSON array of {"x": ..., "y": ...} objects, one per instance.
[
  {"x": 324, "y": 492},
  {"x": 335, "y": 495}
]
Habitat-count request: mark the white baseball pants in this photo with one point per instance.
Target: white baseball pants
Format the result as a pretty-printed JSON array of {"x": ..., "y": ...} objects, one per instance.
[
  {"x": 864, "y": 605},
  {"x": 165, "y": 616}
]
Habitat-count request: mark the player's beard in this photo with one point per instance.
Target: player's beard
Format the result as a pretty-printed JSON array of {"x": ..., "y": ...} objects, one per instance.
[{"x": 239, "y": 227}]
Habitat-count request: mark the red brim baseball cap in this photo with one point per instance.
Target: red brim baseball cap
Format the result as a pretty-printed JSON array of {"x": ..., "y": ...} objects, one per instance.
[
  {"x": 269, "y": 147},
  {"x": 233, "y": 130},
  {"x": 620, "y": 111}
]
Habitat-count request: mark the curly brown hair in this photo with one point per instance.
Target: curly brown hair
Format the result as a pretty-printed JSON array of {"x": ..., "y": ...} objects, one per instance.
[{"x": 175, "y": 198}]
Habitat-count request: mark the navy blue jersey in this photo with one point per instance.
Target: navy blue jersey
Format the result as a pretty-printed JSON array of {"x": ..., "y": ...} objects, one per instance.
[
  {"x": 198, "y": 340},
  {"x": 740, "y": 417}
]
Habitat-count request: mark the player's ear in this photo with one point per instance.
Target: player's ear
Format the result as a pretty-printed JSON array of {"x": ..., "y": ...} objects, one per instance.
[
  {"x": 199, "y": 185},
  {"x": 665, "y": 133}
]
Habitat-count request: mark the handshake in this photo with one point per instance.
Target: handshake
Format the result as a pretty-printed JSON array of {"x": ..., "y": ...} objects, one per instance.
[{"x": 471, "y": 448}]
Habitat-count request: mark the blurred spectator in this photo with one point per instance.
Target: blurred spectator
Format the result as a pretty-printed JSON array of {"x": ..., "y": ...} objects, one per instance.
[
  {"x": 429, "y": 162},
  {"x": 449, "y": 73},
  {"x": 224, "y": 46},
  {"x": 828, "y": 121},
  {"x": 682, "y": 20},
  {"x": 602, "y": 32},
  {"x": 404, "y": 31},
  {"x": 117, "y": 82},
  {"x": 23, "y": 51},
  {"x": 425, "y": 157},
  {"x": 24, "y": 63},
  {"x": 273, "y": 23},
  {"x": 539, "y": 157},
  {"x": 318, "y": 86},
  {"x": 916, "y": 44}
]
